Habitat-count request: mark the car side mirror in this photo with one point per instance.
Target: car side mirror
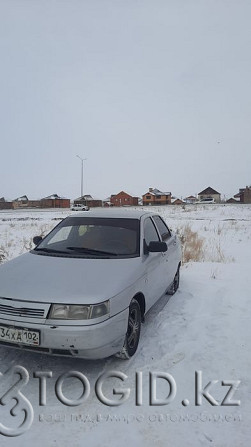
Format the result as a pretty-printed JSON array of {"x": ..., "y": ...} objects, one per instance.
[
  {"x": 157, "y": 247},
  {"x": 37, "y": 240}
]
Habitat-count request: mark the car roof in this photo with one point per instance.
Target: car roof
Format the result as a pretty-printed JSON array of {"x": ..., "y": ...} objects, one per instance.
[{"x": 115, "y": 213}]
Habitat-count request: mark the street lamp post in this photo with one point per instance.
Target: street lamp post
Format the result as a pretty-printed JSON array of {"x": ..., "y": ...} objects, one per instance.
[{"x": 82, "y": 173}]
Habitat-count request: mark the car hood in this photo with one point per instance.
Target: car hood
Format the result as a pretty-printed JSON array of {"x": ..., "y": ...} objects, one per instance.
[{"x": 32, "y": 277}]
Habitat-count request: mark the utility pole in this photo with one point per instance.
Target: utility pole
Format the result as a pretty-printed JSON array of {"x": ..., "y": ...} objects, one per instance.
[{"x": 82, "y": 174}]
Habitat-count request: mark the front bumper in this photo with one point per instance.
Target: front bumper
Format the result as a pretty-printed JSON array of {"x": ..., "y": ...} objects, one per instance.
[{"x": 91, "y": 342}]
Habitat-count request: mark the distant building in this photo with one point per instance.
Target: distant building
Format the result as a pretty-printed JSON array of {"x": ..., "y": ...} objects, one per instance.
[
  {"x": 107, "y": 202},
  {"x": 88, "y": 200},
  {"x": 210, "y": 193},
  {"x": 123, "y": 199},
  {"x": 20, "y": 202},
  {"x": 190, "y": 199},
  {"x": 55, "y": 201},
  {"x": 24, "y": 202},
  {"x": 156, "y": 197},
  {"x": 21, "y": 199},
  {"x": 244, "y": 195},
  {"x": 232, "y": 200},
  {"x": 176, "y": 201},
  {"x": 5, "y": 205}
]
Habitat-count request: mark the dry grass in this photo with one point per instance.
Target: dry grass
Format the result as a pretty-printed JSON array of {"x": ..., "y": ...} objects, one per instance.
[
  {"x": 220, "y": 257},
  {"x": 192, "y": 245},
  {"x": 3, "y": 254},
  {"x": 27, "y": 244}
]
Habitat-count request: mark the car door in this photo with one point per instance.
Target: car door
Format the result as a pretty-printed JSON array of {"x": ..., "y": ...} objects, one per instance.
[
  {"x": 153, "y": 265},
  {"x": 169, "y": 258}
]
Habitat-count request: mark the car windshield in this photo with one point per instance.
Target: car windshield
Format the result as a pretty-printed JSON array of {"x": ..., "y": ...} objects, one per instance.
[{"x": 92, "y": 237}]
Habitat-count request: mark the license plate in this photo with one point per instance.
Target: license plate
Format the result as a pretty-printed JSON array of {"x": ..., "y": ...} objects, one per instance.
[{"x": 17, "y": 335}]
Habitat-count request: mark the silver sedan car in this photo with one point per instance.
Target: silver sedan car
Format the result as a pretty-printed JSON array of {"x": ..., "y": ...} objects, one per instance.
[{"x": 85, "y": 288}]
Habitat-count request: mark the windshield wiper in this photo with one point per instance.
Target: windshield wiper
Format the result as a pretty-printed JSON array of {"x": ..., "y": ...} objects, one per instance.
[
  {"x": 49, "y": 250},
  {"x": 91, "y": 251}
]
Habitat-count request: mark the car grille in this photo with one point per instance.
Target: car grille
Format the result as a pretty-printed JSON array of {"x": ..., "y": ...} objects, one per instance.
[{"x": 15, "y": 311}]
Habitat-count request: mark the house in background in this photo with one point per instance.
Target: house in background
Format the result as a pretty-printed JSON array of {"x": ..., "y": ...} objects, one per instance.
[
  {"x": 24, "y": 202},
  {"x": 177, "y": 201},
  {"x": 244, "y": 195},
  {"x": 156, "y": 197},
  {"x": 5, "y": 205},
  {"x": 20, "y": 202},
  {"x": 22, "y": 199},
  {"x": 88, "y": 200},
  {"x": 123, "y": 199},
  {"x": 190, "y": 199},
  {"x": 107, "y": 202},
  {"x": 209, "y": 193},
  {"x": 55, "y": 201},
  {"x": 232, "y": 200}
]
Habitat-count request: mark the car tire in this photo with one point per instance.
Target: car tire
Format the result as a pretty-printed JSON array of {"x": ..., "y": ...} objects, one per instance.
[
  {"x": 175, "y": 284},
  {"x": 133, "y": 332}
]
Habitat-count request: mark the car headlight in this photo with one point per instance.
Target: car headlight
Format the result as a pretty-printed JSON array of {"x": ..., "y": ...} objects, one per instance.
[{"x": 78, "y": 312}]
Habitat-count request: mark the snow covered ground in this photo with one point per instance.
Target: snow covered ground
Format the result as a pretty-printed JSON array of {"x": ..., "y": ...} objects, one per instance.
[{"x": 204, "y": 327}]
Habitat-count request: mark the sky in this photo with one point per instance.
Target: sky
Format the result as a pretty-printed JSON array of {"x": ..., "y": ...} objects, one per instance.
[{"x": 152, "y": 93}]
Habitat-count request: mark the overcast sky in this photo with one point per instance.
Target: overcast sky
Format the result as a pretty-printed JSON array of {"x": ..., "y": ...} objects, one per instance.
[{"x": 154, "y": 93}]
